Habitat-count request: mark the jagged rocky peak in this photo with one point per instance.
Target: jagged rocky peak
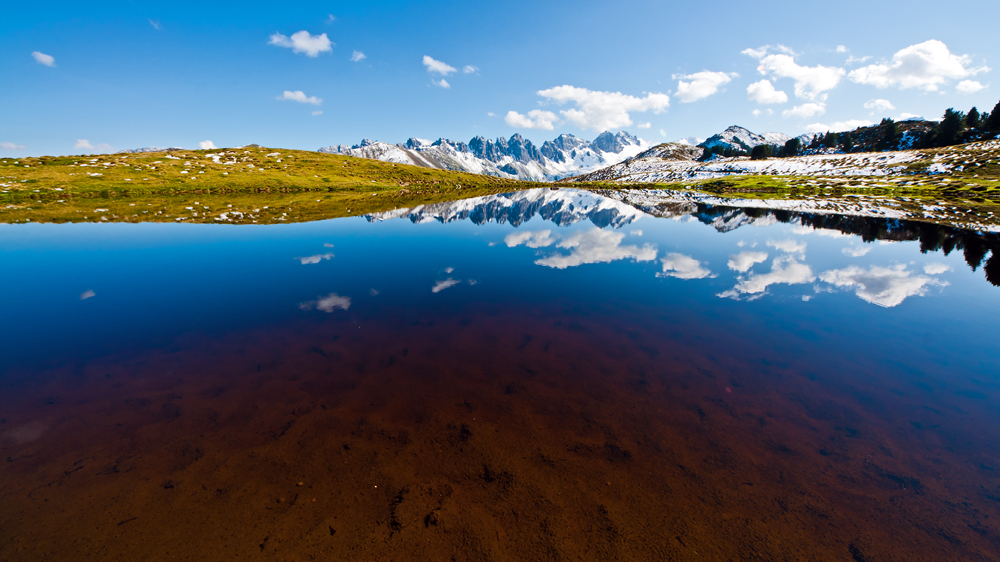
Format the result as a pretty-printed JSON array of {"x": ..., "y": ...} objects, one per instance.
[
  {"x": 608, "y": 142},
  {"x": 740, "y": 138}
]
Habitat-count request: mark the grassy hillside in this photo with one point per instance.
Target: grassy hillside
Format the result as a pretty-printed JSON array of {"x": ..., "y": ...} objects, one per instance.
[{"x": 252, "y": 184}]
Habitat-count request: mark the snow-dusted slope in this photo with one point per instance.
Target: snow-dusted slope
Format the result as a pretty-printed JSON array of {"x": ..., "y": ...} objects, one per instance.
[
  {"x": 561, "y": 206},
  {"x": 738, "y": 138},
  {"x": 516, "y": 158}
]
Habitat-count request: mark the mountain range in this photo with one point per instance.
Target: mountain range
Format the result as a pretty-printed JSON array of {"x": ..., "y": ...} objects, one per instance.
[{"x": 514, "y": 158}]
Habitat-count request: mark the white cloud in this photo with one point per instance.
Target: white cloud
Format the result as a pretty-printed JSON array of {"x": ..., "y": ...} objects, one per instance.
[
  {"x": 42, "y": 58},
  {"x": 535, "y": 119},
  {"x": 683, "y": 267},
  {"x": 438, "y": 66},
  {"x": 491, "y": 114},
  {"x": 300, "y": 97},
  {"x": 308, "y": 260},
  {"x": 442, "y": 83},
  {"x": 84, "y": 144},
  {"x": 788, "y": 246},
  {"x": 11, "y": 146},
  {"x": 905, "y": 116},
  {"x": 879, "y": 105},
  {"x": 969, "y": 87},
  {"x": 206, "y": 145},
  {"x": 828, "y": 232},
  {"x": 837, "y": 126},
  {"x": 856, "y": 60},
  {"x": 743, "y": 261},
  {"x": 810, "y": 81},
  {"x": 883, "y": 286},
  {"x": 602, "y": 111},
  {"x": 855, "y": 251},
  {"x": 596, "y": 246},
  {"x": 155, "y": 24},
  {"x": 810, "y": 109},
  {"x": 88, "y": 294},
  {"x": 442, "y": 285},
  {"x": 330, "y": 18},
  {"x": 763, "y": 92},
  {"x": 841, "y": 49},
  {"x": 357, "y": 56},
  {"x": 936, "y": 268},
  {"x": 784, "y": 270},
  {"x": 316, "y": 113},
  {"x": 539, "y": 239},
  {"x": 329, "y": 303},
  {"x": 700, "y": 85},
  {"x": 469, "y": 69},
  {"x": 644, "y": 125},
  {"x": 926, "y": 66},
  {"x": 304, "y": 43},
  {"x": 756, "y": 113}
]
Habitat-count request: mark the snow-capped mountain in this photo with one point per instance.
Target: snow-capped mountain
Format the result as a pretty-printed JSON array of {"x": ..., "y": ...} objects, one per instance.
[
  {"x": 738, "y": 138},
  {"x": 560, "y": 206},
  {"x": 514, "y": 158}
]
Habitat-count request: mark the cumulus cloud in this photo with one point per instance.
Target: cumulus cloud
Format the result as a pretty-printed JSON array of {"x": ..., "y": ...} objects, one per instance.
[
  {"x": 969, "y": 87},
  {"x": 828, "y": 232},
  {"x": 84, "y": 144},
  {"x": 303, "y": 42},
  {"x": 602, "y": 111},
  {"x": 683, "y": 267},
  {"x": 644, "y": 125},
  {"x": 329, "y": 303},
  {"x": 936, "y": 268},
  {"x": 810, "y": 81},
  {"x": 300, "y": 97},
  {"x": 883, "y": 286},
  {"x": 841, "y": 49},
  {"x": 11, "y": 146},
  {"x": 308, "y": 260},
  {"x": 442, "y": 285},
  {"x": 700, "y": 85},
  {"x": 763, "y": 92},
  {"x": 784, "y": 270},
  {"x": 469, "y": 69},
  {"x": 538, "y": 239},
  {"x": 926, "y": 66},
  {"x": 442, "y": 83},
  {"x": 596, "y": 246},
  {"x": 357, "y": 56},
  {"x": 88, "y": 294},
  {"x": 535, "y": 119},
  {"x": 810, "y": 109},
  {"x": 42, "y": 58},
  {"x": 206, "y": 145},
  {"x": 856, "y": 251},
  {"x": 838, "y": 126},
  {"x": 438, "y": 67},
  {"x": 789, "y": 246},
  {"x": 879, "y": 105},
  {"x": 743, "y": 261}
]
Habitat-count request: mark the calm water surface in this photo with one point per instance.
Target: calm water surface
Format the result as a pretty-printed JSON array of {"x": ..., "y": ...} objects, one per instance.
[{"x": 535, "y": 376}]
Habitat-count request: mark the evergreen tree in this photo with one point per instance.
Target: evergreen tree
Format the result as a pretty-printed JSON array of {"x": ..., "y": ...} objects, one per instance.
[
  {"x": 792, "y": 147},
  {"x": 890, "y": 135},
  {"x": 950, "y": 128},
  {"x": 992, "y": 269},
  {"x": 830, "y": 140},
  {"x": 847, "y": 140},
  {"x": 972, "y": 119},
  {"x": 760, "y": 152},
  {"x": 974, "y": 252},
  {"x": 993, "y": 122}
]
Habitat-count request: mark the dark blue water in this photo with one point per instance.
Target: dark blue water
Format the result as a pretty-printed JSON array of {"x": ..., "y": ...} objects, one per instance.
[{"x": 829, "y": 394}]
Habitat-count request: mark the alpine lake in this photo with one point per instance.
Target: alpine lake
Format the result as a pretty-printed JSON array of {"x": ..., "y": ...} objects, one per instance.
[{"x": 540, "y": 375}]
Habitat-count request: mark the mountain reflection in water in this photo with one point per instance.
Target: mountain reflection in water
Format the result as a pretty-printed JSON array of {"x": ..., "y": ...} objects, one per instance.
[{"x": 540, "y": 375}]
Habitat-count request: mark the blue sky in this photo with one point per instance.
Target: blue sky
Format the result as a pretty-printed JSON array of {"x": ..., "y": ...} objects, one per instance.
[{"x": 84, "y": 77}]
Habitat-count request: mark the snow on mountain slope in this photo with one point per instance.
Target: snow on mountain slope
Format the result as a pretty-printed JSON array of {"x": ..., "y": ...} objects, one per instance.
[
  {"x": 653, "y": 169},
  {"x": 516, "y": 158},
  {"x": 560, "y": 206},
  {"x": 738, "y": 138}
]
